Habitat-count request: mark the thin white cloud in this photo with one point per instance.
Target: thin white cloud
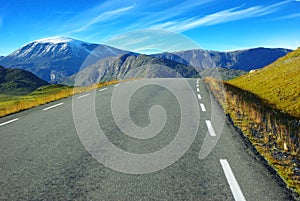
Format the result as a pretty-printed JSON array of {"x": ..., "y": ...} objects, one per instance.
[
  {"x": 146, "y": 40},
  {"x": 148, "y": 19},
  {"x": 295, "y": 15},
  {"x": 224, "y": 16},
  {"x": 108, "y": 15},
  {"x": 125, "y": 40}
]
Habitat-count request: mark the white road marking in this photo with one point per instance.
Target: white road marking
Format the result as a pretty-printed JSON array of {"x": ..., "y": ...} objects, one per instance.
[
  {"x": 103, "y": 89},
  {"x": 234, "y": 186},
  {"x": 117, "y": 85},
  {"x": 47, "y": 108},
  {"x": 210, "y": 128},
  {"x": 85, "y": 95},
  {"x": 10, "y": 121},
  {"x": 198, "y": 90},
  {"x": 199, "y": 96},
  {"x": 202, "y": 107}
]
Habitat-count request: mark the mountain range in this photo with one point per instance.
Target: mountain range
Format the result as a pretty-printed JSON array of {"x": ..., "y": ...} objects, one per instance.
[
  {"x": 245, "y": 60},
  {"x": 59, "y": 59}
]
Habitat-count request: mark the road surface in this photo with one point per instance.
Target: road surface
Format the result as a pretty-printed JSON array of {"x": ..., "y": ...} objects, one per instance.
[{"x": 43, "y": 158}]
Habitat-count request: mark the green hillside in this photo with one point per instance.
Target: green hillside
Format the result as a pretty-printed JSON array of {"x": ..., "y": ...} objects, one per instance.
[
  {"x": 18, "y": 82},
  {"x": 278, "y": 83}
]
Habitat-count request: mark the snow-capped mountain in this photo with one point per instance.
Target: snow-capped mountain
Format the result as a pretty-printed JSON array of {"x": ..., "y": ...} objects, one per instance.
[{"x": 57, "y": 57}]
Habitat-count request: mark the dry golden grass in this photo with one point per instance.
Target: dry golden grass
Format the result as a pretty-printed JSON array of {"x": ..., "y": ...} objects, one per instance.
[{"x": 43, "y": 95}]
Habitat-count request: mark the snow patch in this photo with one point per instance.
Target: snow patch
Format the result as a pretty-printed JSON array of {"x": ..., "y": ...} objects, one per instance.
[
  {"x": 55, "y": 40},
  {"x": 59, "y": 40}
]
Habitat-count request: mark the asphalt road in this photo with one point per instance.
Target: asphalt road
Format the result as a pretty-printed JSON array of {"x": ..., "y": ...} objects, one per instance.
[{"x": 58, "y": 151}]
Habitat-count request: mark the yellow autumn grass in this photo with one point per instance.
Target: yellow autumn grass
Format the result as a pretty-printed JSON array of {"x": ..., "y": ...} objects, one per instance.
[{"x": 14, "y": 104}]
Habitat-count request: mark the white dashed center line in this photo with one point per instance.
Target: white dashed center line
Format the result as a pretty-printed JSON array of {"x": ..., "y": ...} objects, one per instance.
[
  {"x": 234, "y": 186},
  {"x": 198, "y": 90},
  {"x": 202, "y": 107},
  {"x": 85, "y": 95},
  {"x": 210, "y": 128},
  {"x": 10, "y": 121},
  {"x": 47, "y": 108},
  {"x": 199, "y": 96},
  {"x": 103, "y": 89}
]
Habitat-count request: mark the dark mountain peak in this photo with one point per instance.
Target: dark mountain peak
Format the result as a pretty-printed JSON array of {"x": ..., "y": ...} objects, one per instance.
[{"x": 18, "y": 81}]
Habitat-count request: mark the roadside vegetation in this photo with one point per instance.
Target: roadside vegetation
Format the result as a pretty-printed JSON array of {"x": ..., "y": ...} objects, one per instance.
[
  {"x": 278, "y": 83},
  {"x": 275, "y": 135},
  {"x": 10, "y": 104},
  {"x": 265, "y": 106}
]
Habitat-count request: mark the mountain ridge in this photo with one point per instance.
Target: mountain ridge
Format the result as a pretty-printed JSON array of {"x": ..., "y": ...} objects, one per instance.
[
  {"x": 18, "y": 81},
  {"x": 245, "y": 60},
  {"x": 130, "y": 66}
]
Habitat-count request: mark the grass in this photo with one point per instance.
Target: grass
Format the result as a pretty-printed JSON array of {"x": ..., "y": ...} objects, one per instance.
[
  {"x": 278, "y": 83},
  {"x": 10, "y": 104}
]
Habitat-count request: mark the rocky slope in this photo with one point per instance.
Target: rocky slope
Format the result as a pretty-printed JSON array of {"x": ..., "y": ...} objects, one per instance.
[{"x": 130, "y": 66}]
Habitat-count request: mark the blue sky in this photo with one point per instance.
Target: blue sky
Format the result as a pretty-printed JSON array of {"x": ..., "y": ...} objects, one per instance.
[{"x": 212, "y": 24}]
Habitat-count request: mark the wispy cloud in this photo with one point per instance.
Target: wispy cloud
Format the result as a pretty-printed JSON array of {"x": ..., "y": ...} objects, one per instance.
[
  {"x": 105, "y": 16},
  {"x": 148, "y": 19},
  {"x": 291, "y": 16},
  {"x": 224, "y": 16},
  {"x": 147, "y": 40}
]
